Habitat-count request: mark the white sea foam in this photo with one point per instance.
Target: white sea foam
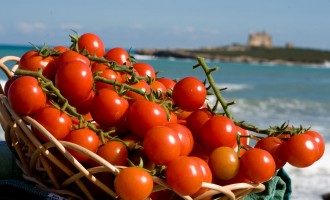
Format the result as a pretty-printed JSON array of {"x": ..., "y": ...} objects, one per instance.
[
  {"x": 143, "y": 57},
  {"x": 233, "y": 86}
]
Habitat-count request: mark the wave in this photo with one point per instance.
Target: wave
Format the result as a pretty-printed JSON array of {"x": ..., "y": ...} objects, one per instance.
[
  {"x": 144, "y": 57},
  {"x": 233, "y": 86},
  {"x": 275, "y": 111}
]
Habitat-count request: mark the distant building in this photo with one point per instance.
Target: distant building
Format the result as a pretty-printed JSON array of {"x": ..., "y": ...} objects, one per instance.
[
  {"x": 289, "y": 45},
  {"x": 260, "y": 39}
]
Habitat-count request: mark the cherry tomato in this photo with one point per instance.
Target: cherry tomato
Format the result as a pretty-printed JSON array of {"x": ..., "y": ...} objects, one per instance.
[
  {"x": 118, "y": 55},
  {"x": 85, "y": 138},
  {"x": 200, "y": 151},
  {"x": 61, "y": 48},
  {"x": 26, "y": 96},
  {"x": 302, "y": 150},
  {"x": 74, "y": 80},
  {"x": 57, "y": 122},
  {"x": 196, "y": 120},
  {"x": 115, "y": 152},
  {"x": 8, "y": 84},
  {"x": 185, "y": 136},
  {"x": 162, "y": 144},
  {"x": 319, "y": 141},
  {"x": 143, "y": 115},
  {"x": 275, "y": 147},
  {"x": 92, "y": 43},
  {"x": 184, "y": 175},
  {"x": 108, "y": 108},
  {"x": 107, "y": 73},
  {"x": 133, "y": 183},
  {"x": 189, "y": 93},
  {"x": 83, "y": 105},
  {"x": 145, "y": 69},
  {"x": 168, "y": 83},
  {"x": 207, "y": 174},
  {"x": 157, "y": 86},
  {"x": 142, "y": 85},
  {"x": 218, "y": 131},
  {"x": 257, "y": 165},
  {"x": 70, "y": 56},
  {"x": 224, "y": 163},
  {"x": 33, "y": 61}
]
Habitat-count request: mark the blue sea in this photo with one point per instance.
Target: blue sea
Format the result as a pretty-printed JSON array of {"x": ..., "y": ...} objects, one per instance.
[{"x": 265, "y": 95}]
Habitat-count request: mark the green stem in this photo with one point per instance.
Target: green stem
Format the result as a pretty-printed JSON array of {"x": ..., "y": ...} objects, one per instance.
[
  {"x": 275, "y": 130},
  {"x": 212, "y": 83}
]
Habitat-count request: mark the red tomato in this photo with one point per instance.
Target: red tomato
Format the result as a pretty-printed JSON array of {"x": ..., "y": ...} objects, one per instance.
[
  {"x": 196, "y": 120},
  {"x": 319, "y": 141},
  {"x": 162, "y": 144},
  {"x": 69, "y": 56},
  {"x": 157, "y": 86},
  {"x": 107, "y": 73},
  {"x": 142, "y": 85},
  {"x": 108, "y": 108},
  {"x": 207, "y": 174},
  {"x": 99, "y": 67},
  {"x": 74, "y": 80},
  {"x": 33, "y": 61},
  {"x": 8, "y": 84},
  {"x": 184, "y": 175},
  {"x": 144, "y": 69},
  {"x": 92, "y": 43},
  {"x": 118, "y": 55},
  {"x": 200, "y": 151},
  {"x": 302, "y": 150},
  {"x": 189, "y": 93},
  {"x": 85, "y": 138},
  {"x": 168, "y": 83},
  {"x": 224, "y": 163},
  {"x": 61, "y": 48},
  {"x": 133, "y": 183},
  {"x": 185, "y": 136},
  {"x": 26, "y": 96},
  {"x": 83, "y": 105},
  {"x": 275, "y": 146},
  {"x": 218, "y": 131},
  {"x": 257, "y": 165},
  {"x": 143, "y": 115},
  {"x": 114, "y": 152},
  {"x": 57, "y": 122}
]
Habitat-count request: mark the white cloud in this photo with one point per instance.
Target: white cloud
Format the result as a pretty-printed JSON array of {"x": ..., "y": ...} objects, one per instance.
[
  {"x": 71, "y": 26},
  {"x": 30, "y": 27}
]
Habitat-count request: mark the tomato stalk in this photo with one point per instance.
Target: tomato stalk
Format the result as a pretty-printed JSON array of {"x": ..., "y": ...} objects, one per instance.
[
  {"x": 271, "y": 131},
  {"x": 211, "y": 81}
]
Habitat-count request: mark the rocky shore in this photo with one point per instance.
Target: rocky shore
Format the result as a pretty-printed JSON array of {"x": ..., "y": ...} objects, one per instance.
[{"x": 245, "y": 55}]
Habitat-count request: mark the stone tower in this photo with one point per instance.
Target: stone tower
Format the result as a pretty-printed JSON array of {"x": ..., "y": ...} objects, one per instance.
[{"x": 260, "y": 39}]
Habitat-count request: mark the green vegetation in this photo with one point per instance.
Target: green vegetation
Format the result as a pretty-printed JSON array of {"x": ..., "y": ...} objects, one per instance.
[{"x": 276, "y": 53}]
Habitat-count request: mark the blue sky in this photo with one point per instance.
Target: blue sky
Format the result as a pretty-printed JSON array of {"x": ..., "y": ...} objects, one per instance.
[{"x": 166, "y": 24}]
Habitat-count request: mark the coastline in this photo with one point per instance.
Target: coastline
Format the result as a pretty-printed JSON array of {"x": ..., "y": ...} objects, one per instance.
[{"x": 227, "y": 55}]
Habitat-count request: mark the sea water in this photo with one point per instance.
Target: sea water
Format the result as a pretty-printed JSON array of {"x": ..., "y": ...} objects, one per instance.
[{"x": 265, "y": 95}]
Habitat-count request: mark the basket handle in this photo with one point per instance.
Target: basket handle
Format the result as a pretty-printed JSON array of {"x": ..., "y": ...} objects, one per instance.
[{"x": 9, "y": 73}]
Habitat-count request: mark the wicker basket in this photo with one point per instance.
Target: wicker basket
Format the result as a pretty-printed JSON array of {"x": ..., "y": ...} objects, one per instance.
[{"x": 52, "y": 168}]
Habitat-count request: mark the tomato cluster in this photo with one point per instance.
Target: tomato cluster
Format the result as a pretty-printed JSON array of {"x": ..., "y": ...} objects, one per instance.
[{"x": 122, "y": 110}]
